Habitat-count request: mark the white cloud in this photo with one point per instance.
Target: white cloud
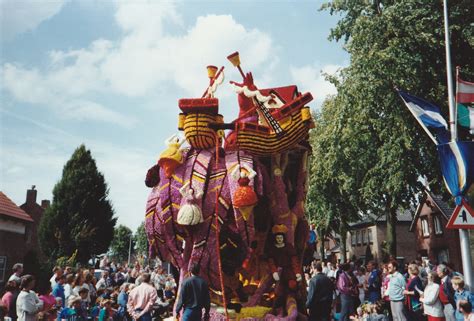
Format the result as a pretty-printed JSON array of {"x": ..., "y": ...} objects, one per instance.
[
  {"x": 145, "y": 59},
  {"x": 18, "y": 16},
  {"x": 311, "y": 78},
  {"x": 124, "y": 168}
]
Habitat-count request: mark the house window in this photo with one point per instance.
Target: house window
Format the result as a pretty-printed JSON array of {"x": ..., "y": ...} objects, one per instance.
[
  {"x": 3, "y": 266},
  {"x": 437, "y": 225},
  {"x": 358, "y": 237},
  {"x": 369, "y": 232},
  {"x": 364, "y": 241},
  {"x": 353, "y": 238},
  {"x": 425, "y": 227}
]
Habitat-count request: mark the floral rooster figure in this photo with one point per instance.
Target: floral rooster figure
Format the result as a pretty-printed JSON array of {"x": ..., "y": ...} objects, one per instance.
[{"x": 235, "y": 203}]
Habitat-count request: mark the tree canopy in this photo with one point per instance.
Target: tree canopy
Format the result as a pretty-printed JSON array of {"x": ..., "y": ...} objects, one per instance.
[
  {"x": 81, "y": 217},
  {"x": 141, "y": 245},
  {"x": 120, "y": 245},
  {"x": 369, "y": 147}
]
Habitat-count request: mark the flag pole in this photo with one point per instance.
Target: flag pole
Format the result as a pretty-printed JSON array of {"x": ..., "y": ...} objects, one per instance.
[
  {"x": 449, "y": 74},
  {"x": 463, "y": 234}
]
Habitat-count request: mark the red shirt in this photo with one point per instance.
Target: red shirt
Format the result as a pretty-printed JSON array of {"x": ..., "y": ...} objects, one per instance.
[{"x": 442, "y": 296}]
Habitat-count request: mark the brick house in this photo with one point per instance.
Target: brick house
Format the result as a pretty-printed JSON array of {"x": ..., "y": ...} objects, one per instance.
[
  {"x": 370, "y": 234},
  {"x": 36, "y": 212},
  {"x": 433, "y": 240},
  {"x": 19, "y": 231},
  {"x": 15, "y": 238}
]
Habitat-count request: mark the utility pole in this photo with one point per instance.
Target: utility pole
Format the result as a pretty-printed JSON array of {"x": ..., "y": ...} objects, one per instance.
[
  {"x": 129, "y": 250},
  {"x": 463, "y": 233}
]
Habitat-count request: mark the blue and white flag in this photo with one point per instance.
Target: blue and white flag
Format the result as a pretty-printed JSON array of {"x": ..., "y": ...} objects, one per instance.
[
  {"x": 457, "y": 164},
  {"x": 429, "y": 116}
]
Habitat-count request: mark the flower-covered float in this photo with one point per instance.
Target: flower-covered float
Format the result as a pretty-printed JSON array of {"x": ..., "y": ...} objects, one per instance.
[{"x": 234, "y": 203}]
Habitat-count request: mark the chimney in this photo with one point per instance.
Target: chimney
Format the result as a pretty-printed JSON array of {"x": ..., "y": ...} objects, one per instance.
[
  {"x": 45, "y": 204},
  {"x": 31, "y": 195}
]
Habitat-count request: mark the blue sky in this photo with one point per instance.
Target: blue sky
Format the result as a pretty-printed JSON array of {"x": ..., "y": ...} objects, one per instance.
[{"x": 109, "y": 73}]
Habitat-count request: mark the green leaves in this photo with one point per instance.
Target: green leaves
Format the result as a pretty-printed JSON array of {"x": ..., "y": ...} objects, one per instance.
[
  {"x": 141, "y": 240},
  {"x": 80, "y": 216},
  {"x": 369, "y": 152},
  {"x": 120, "y": 245}
]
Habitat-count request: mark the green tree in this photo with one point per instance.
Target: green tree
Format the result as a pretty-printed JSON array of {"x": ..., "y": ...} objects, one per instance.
[
  {"x": 141, "y": 240},
  {"x": 394, "y": 43},
  {"x": 120, "y": 245},
  {"x": 331, "y": 201},
  {"x": 80, "y": 217}
]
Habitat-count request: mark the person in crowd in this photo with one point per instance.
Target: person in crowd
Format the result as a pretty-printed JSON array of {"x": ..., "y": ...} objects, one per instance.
[
  {"x": 325, "y": 267},
  {"x": 307, "y": 278},
  {"x": 376, "y": 313},
  {"x": 122, "y": 300},
  {"x": 374, "y": 282},
  {"x": 331, "y": 270},
  {"x": 119, "y": 276},
  {"x": 412, "y": 292},
  {"x": 169, "y": 293},
  {"x": 466, "y": 309},
  {"x": 384, "y": 290},
  {"x": 361, "y": 280},
  {"x": 162, "y": 305},
  {"x": 28, "y": 305},
  {"x": 78, "y": 283},
  {"x": 3, "y": 310},
  {"x": 57, "y": 272},
  {"x": 102, "y": 283},
  {"x": 89, "y": 283},
  {"x": 83, "y": 310},
  {"x": 141, "y": 299},
  {"x": 49, "y": 311},
  {"x": 9, "y": 298},
  {"x": 320, "y": 296},
  {"x": 345, "y": 286},
  {"x": 71, "y": 312},
  {"x": 432, "y": 306},
  {"x": 58, "y": 289},
  {"x": 446, "y": 292},
  {"x": 193, "y": 297},
  {"x": 460, "y": 294},
  {"x": 111, "y": 280},
  {"x": 59, "y": 304},
  {"x": 106, "y": 313},
  {"x": 17, "y": 272},
  {"x": 104, "y": 263},
  {"x": 395, "y": 290},
  {"x": 135, "y": 272},
  {"x": 68, "y": 270},
  {"x": 68, "y": 285}
]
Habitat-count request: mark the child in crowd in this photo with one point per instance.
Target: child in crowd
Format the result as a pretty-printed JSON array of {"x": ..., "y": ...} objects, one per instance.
[
  {"x": 465, "y": 308},
  {"x": 461, "y": 294},
  {"x": 71, "y": 312},
  {"x": 106, "y": 313},
  {"x": 83, "y": 310}
]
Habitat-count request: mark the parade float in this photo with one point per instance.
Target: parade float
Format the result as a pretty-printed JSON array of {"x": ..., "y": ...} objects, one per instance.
[{"x": 230, "y": 196}]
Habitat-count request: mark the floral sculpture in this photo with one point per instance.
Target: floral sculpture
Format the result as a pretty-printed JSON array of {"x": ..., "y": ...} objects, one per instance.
[{"x": 223, "y": 200}]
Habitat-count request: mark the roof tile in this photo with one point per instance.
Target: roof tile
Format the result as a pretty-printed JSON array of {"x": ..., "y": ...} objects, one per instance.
[{"x": 8, "y": 208}]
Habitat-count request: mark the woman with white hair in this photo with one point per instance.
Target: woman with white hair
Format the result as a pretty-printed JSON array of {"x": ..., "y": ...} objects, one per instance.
[{"x": 431, "y": 304}]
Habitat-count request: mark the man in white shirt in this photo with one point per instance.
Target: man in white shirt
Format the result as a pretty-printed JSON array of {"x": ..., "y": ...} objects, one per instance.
[
  {"x": 17, "y": 272},
  {"x": 57, "y": 272},
  {"x": 102, "y": 283},
  {"x": 331, "y": 271}
]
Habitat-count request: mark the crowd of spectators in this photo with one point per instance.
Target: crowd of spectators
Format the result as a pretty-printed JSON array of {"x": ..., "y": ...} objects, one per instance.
[
  {"x": 111, "y": 293},
  {"x": 417, "y": 291}
]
